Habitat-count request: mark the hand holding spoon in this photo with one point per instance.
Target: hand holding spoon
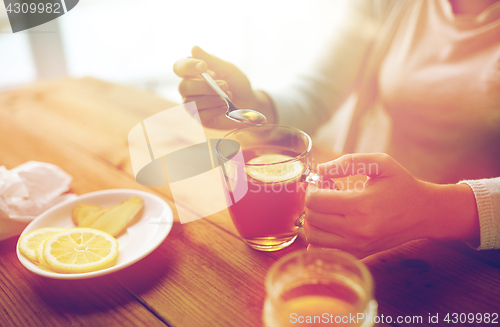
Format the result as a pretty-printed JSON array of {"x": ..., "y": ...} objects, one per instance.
[{"x": 242, "y": 116}]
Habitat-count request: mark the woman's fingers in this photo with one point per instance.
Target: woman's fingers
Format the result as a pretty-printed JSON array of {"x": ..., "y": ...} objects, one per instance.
[
  {"x": 222, "y": 67},
  {"x": 198, "y": 87},
  {"x": 336, "y": 224},
  {"x": 368, "y": 164},
  {"x": 189, "y": 67},
  {"x": 319, "y": 238},
  {"x": 330, "y": 201}
]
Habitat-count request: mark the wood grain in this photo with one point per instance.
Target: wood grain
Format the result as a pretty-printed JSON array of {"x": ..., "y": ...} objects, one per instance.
[
  {"x": 100, "y": 174},
  {"x": 203, "y": 274},
  {"x": 424, "y": 277},
  {"x": 31, "y": 300}
]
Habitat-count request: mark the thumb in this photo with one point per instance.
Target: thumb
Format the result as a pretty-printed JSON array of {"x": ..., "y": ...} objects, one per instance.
[
  {"x": 368, "y": 164},
  {"x": 214, "y": 63}
]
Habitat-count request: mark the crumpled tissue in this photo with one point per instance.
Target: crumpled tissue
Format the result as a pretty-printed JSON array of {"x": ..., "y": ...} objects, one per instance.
[{"x": 28, "y": 190}]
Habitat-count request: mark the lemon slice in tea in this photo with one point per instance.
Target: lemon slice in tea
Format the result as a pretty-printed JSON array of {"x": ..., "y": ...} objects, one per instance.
[
  {"x": 272, "y": 172},
  {"x": 79, "y": 250}
]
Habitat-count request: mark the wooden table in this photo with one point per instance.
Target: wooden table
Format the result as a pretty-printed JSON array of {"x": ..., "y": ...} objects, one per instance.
[{"x": 202, "y": 274}]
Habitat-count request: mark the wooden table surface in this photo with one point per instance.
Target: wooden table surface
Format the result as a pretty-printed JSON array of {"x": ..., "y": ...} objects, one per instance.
[{"x": 202, "y": 274}]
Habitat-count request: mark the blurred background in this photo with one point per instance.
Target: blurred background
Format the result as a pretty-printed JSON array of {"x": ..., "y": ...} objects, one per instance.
[{"x": 137, "y": 42}]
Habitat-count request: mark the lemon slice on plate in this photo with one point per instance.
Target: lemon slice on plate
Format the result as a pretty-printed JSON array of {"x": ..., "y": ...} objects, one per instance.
[
  {"x": 27, "y": 243},
  {"x": 39, "y": 256},
  {"x": 79, "y": 250},
  {"x": 272, "y": 172}
]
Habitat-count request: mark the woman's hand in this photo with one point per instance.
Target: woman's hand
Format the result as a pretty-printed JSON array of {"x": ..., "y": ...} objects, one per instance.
[
  {"x": 231, "y": 80},
  {"x": 390, "y": 208}
]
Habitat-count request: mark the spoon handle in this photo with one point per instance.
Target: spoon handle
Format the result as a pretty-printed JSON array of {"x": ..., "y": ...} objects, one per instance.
[{"x": 216, "y": 87}]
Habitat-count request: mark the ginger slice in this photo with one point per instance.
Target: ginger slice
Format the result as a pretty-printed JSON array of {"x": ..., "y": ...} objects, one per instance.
[
  {"x": 117, "y": 218},
  {"x": 82, "y": 210}
]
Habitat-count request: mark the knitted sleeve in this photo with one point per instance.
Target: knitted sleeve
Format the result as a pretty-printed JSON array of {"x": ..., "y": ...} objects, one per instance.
[{"x": 487, "y": 194}]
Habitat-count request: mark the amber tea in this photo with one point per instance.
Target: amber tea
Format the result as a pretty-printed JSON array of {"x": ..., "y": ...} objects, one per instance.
[
  {"x": 266, "y": 216},
  {"x": 264, "y": 170}
]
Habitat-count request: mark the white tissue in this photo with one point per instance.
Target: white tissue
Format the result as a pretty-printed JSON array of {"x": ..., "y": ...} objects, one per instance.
[{"x": 28, "y": 190}]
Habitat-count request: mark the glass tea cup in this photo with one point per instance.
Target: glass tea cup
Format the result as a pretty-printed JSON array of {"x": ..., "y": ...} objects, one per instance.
[
  {"x": 266, "y": 170},
  {"x": 319, "y": 287}
]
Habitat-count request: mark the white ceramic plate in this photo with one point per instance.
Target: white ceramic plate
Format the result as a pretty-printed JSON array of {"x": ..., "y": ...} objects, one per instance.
[{"x": 140, "y": 239}]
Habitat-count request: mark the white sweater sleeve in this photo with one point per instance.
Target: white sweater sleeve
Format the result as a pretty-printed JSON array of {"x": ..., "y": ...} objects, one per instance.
[
  {"x": 313, "y": 97},
  {"x": 487, "y": 193}
]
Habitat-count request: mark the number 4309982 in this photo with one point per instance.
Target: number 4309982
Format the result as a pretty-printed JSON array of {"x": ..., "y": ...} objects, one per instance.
[
  {"x": 462, "y": 318},
  {"x": 46, "y": 8}
]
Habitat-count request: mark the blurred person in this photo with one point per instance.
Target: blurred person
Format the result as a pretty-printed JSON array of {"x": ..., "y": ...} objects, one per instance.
[{"x": 426, "y": 76}]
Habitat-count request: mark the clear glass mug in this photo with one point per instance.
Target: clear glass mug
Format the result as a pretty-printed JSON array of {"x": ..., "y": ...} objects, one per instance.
[
  {"x": 319, "y": 287},
  {"x": 266, "y": 200}
]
